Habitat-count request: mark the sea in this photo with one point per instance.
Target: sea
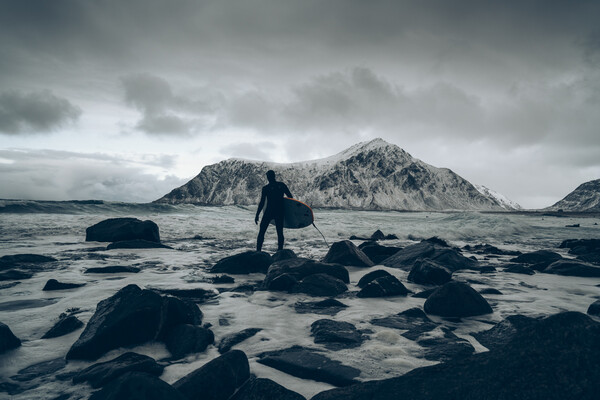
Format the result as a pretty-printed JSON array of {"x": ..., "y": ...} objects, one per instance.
[{"x": 200, "y": 236}]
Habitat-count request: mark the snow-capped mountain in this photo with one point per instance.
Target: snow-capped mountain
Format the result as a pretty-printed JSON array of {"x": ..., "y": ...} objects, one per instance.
[
  {"x": 371, "y": 175},
  {"x": 504, "y": 201},
  {"x": 585, "y": 198}
]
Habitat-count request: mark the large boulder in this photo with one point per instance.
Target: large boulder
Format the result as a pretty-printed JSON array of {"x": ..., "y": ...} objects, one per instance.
[
  {"x": 283, "y": 275},
  {"x": 137, "y": 386},
  {"x": 346, "y": 253},
  {"x": 244, "y": 263},
  {"x": 581, "y": 246},
  {"x": 320, "y": 285},
  {"x": 383, "y": 286},
  {"x": 130, "y": 317},
  {"x": 371, "y": 276},
  {"x": 456, "y": 300},
  {"x": 265, "y": 389},
  {"x": 540, "y": 257},
  {"x": 65, "y": 325},
  {"x": 376, "y": 252},
  {"x": 555, "y": 358},
  {"x": 573, "y": 268},
  {"x": 184, "y": 339},
  {"x": 427, "y": 272},
  {"x": 217, "y": 379},
  {"x": 8, "y": 340},
  {"x": 119, "y": 229},
  {"x": 594, "y": 308},
  {"x": 100, "y": 374},
  {"x": 336, "y": 335},
  {"x": 449, "y": 257}
]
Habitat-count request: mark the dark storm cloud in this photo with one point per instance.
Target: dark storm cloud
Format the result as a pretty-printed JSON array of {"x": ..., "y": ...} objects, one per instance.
[{"x": 35, "y": 112}]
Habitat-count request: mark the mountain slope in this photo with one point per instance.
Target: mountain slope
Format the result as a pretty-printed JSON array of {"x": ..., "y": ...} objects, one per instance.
[
  {"x": 586, "y": 197},
  {"x": 372, "y": 175}
]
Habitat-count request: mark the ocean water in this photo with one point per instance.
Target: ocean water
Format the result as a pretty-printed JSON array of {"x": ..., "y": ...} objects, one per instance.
[{"x": 201, "y": 236}]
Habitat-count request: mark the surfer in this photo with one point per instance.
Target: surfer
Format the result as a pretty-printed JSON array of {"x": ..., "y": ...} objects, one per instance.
[{"x": 273, "y": 193}]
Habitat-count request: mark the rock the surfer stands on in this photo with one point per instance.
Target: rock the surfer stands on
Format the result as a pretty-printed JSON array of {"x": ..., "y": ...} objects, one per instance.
[{"x": 273, "y": 193}]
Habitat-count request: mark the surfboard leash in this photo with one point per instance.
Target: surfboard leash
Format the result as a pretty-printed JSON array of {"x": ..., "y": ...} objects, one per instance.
[{"x": 325, "y": 240}]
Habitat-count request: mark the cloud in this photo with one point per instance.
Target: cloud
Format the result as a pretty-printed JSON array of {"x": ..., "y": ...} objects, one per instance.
[
  {"x": 261, "y": 151},
  {"x": 35, "y": 112},
  {"x": 60, "y": 175}
]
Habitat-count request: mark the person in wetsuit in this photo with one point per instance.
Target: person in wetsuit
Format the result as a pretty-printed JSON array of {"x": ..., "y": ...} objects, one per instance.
[{"x": 273, "y": 193}]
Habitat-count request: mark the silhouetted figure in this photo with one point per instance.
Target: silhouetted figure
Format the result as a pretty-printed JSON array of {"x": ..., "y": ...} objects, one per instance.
[{"x": 273, "y": 193}]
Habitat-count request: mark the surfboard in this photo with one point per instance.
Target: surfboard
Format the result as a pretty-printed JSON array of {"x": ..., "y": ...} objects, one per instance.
[{"x": 296, "y": 214}]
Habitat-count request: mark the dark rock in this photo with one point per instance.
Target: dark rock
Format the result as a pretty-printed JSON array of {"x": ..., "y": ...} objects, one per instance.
[
  {"x": 130, "y": 317},
  {"x": 113, "y": 269},
  {"x": 284, "y": 254},
  {"x": 537, "y": 257},
  {"x": 594, "y": 308},
  {"x": 296, "y": 269},
  {"x": 11, "y": 388},
  {"x": 583, "y": 245},
  {"x": 184, "y": 339},
  {"x": 371, "y": 276},
  {"x": 65, "y": 325},
  {"x": 231, "y": 340},
  {"x": 217, "y": 379},
  {"x": 222, "y": 279},
  {"x": 376, "y": 252},
  {"x": 384, "y": 286},
  {"x": 308, "y": 364},
  {"x": 100, "y": 374},
  {"x": 573, "y": 268},
  {"x": 137, "y": 386},
  {"x": 244, "y": 263},
  {"x": 519, "y": 269},
  {"x": 320, "y": 285},
  {"x": 427, "y": 272},
  {"x": 591, "y": 257},
  {"x": 559, "y": 353},
  {"x": 346, "y": 253},
  {"x": 449, "y": 257},
  {"x": 198, "y": 295},
  {"x": 487, "y": 269},
  {"x": 442, "y": 348},
  {"x": 136, "y": 244},
  {"x": 8, "y": 340},
  {"x": 8, "y": 285},
  {"x": 53, "y": 284},
  {"x": 265, "y": 389},
  {"x": 23, "y": 260},
  {"x": 15, "y": 305},
  {"x": 424, "y": 294},
  {"x": 413, "y": 319},
  {"x": 456, "y": 299},
  {"x": 14, "y": 274},
  {"x": 40, "y": 369},
  {"x": 328, "y": 307},
  {"x": 504, "y": 331},
  {"x": 437, "y": 241},
  {"x": 336, "y": 335},
  {"x": 489, "y": 249},
  {"x": 490, "y": 291},
  {"x": 119, "y": 229},
  {"x": 377, "y": 235}
]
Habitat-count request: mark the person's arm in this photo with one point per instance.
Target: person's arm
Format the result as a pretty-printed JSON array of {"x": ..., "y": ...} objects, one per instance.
[
  {"x": 287, "y": 191},
  {"x": 260, "y": 205}
]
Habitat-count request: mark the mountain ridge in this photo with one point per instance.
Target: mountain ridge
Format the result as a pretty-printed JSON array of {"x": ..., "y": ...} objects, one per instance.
[{"x": 585, "y": 198}]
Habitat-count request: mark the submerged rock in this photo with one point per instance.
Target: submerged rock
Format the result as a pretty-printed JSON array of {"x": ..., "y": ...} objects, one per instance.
[
  {"x": 40, "y": 369},
  {"x": 100, "y": 374},
  {"x": 137, "y": 244},
  {"x": 384, "y": 286},
  {"x": 8, "y": 340},
  {"x": 64, "y": 326},
  {"x": 456, "y": 299},
  {"x": 328, "y": 307},
  {"x": 217, "y": 379},
  {"x": 346, "y": 253},
  {"x": 14, "y": 274},
  {"x": 23, "y": 260},
  {"x": 519, "y": 269},
  {"x": 137, "y": 386},
  {"x": 113, "y": 269},
  {"x": 265, "y": 389},
  {"x": 427, "y": 272},
  {"x": 573, "y": 268},
  {"x": 119, "y": 229},
  {"x": 235, "y": 338},
  {"x": 308, "y": 364},
  {"x": 244, "y": 263},
  {"x": 336, "y": 335},
  {"x": 489, "y": 249},
  {"x": 53, "y": 284},
  {"x": 184, "y": 339}
]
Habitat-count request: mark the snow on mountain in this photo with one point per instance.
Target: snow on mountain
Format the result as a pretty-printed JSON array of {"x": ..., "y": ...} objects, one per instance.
[
  {"x": 585, "y": 198},
  {"x": 373, "y": 175},
  {"x": 504, "y": 201}
]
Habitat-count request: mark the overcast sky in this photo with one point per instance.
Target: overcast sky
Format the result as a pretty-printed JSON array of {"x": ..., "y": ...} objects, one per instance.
[{"x": 127, "y": 99}]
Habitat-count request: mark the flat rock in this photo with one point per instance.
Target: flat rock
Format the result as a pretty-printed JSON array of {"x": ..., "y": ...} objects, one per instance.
[
  {"x": 113, "y": 269},
  {"x": 376, "y": 252},
  {"x": 559, "y": 354},
  {"x": 100, "y": 374},
  {"x": 184, "y": 339},
  {"x": 216, "y": 380},
  {"x": 137, "y": 244},
  {"x": 427, "y": 272},
  {"x": 457, "y": 300},
  {"x": 265, "y": 389},
  {"x": 449, "y": 257},
  {"x": 197, "y": 295},
  {"x": 519, "y": 269},
  {"x": 40, "y": 369},
  {"x": 231, "y": 340},
  {"x": 137, "y": 386},
  {"x": 64, "y": 326},
  {"x": 283, "y": 275},
  {"x": 327, "y": 307},
  {"x": 23, "y": 260},
  {"x": 14, "y": 274},
  {"x": 537, "y": 257},
  {"x": 244, "y": 263},
  {"x": 384, "y": 286},
  {"x": 53, "y": 284},
  {"x": 15, "y": 305},
  {"x": 346, "y": 253},
  {"x": 336, "y": 335},
  {"x": 320, "y": 285},
  {"x": 120, "y": 229},
  {"x": 413, "y": 319},
  {"x": 594, "y": 308},
  {"x": 573, "y": 268},
  {"x": 309, "y": 364}
]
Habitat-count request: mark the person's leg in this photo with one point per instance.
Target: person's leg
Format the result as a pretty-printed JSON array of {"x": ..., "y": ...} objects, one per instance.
[
  {"x": 264, "y": 224},
  {"x": 279, "y": 227}
]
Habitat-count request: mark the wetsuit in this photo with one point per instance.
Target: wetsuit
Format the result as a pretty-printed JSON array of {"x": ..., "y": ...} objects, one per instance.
[{"x": 273, "y": 193}]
